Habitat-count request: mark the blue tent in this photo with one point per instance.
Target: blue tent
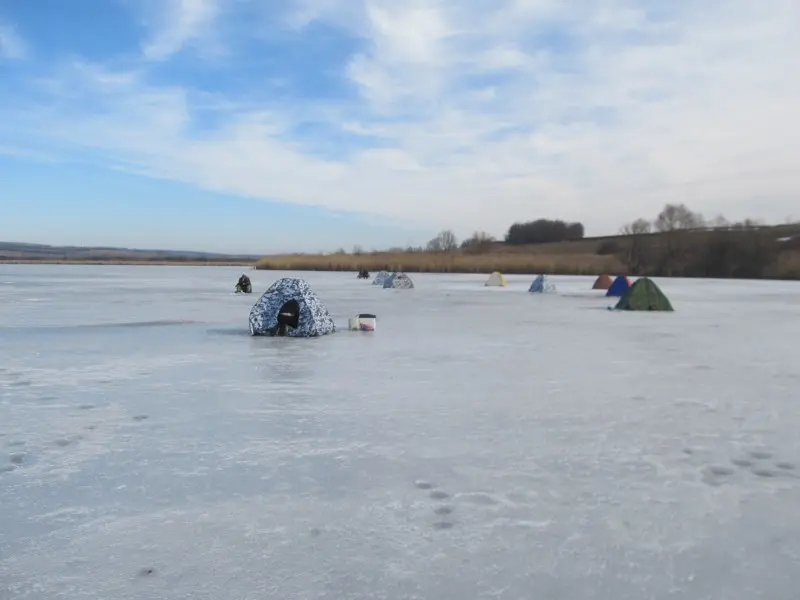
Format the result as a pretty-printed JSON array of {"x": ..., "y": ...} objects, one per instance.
[
  {"x": 540, "y": 285},
  {"x": 289, "y": 306},
  {"x": 619, "y": 287}
]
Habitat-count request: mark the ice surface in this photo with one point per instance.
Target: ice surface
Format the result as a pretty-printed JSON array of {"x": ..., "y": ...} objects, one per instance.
[{"x": 482, "y": 443}]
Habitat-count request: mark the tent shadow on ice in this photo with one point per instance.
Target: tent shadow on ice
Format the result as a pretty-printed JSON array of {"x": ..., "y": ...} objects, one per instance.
[
  {"x": 398, "y": 281},
  {"x": 645, "y": 295},
  {"x": 619, "y": 287},
  {"x": 290, "y": 308},
  {"x": 541, "y": 285},
  {"x": 496, "y": 279}
]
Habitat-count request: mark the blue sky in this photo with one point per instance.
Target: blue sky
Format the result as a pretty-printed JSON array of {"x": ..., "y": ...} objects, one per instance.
[{"x": 304, "y": 125}]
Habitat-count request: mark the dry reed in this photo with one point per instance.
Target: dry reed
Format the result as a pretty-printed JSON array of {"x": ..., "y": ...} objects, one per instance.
[
  {"x": 448, "y": 262},
  {"x": 786, "y": 267}
]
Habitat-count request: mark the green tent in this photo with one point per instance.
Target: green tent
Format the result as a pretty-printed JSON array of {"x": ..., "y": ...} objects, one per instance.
[{"x": 644, "y": 294}]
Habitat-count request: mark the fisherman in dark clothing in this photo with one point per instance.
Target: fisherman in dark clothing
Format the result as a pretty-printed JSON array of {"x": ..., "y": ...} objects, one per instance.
[{"x": 244, "y": 285}]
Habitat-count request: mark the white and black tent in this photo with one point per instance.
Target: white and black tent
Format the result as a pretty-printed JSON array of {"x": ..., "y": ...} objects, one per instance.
[
  {"x": 381, "y": 277},
  {"x": 290, "y": 308},
  {"x": 399, "y": 281}
]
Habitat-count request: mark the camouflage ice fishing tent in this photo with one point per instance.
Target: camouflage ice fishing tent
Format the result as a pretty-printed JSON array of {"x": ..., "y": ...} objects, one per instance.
[
  {"x": 290, "y": 308},
  {"x": 399, "y": 281},
  {"x": 644, "y": 294},
  {"x": 381, "y": 278}
]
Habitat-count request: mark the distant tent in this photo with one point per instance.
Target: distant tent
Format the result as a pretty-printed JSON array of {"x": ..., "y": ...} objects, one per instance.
[
  {"x": 644, "y": 294},
  {"x": 399, "y": 281},
  {"x": 602, "y": 283},
  {"x": 496, "y": 279},
  {"x": 619, "y": 287},
  {"x": 541, "y": 285},
  {"x": 381, "y": 277},
  {"x": 290, "y": 308}
]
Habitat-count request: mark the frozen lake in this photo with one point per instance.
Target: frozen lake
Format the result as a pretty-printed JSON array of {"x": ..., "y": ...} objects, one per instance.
[{"x": 482, "y": 443}]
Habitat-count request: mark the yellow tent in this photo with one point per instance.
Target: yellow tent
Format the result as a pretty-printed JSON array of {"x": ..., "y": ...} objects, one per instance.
[{"x": 496, "y": 279}]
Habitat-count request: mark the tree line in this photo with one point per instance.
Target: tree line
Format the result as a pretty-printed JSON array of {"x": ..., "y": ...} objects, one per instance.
[
  {"x": 540, "y": 231},
  {"x": 690, "y": 245},
  {"x": 679, "y": 217}
]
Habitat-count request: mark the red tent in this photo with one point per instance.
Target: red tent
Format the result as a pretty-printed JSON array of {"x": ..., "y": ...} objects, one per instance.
[{"x": 602, "y": 283}]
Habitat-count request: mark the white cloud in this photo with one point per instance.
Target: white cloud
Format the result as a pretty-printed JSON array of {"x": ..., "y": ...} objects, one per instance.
[
  {"x": 486, "y": 112},
  {"x": 182, "y": 22},
  {"x": 12, "y": 46}
]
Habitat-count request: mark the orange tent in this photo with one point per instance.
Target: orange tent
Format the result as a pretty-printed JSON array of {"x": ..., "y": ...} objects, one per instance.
[{"x": 602, "y": 283}]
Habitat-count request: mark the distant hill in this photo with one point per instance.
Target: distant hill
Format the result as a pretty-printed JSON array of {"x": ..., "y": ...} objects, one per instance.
[{"x": 22, "y": 252}]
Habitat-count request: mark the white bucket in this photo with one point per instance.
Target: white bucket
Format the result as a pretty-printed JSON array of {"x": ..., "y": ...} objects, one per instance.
[
  {"x": 367, "y": 322},
  {"x": 354, "y": 324}
]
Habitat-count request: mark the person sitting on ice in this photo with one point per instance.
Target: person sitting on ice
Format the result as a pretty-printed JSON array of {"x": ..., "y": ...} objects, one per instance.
[{"x": 244, "y": 285}]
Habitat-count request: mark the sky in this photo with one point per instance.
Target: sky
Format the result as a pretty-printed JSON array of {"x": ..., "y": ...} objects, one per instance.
[{"x": 265, "y": 126}]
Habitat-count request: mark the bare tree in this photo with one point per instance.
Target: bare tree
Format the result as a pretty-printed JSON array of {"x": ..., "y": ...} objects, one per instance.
[
  {"x": 479, "y": 242},
  {"x": 358, "y": 249},
  {"x": 445, "y": 241},
  {"x": 747, "y": 224},
  {"x": 678, "y": 216},
  {"x": 435, "y": 245},
  {"x": 719, "y": 222},
  {"x": 477, "y": 237},
  {"x": 637, "y": 227},
  {"x": 691, "y": 220},
  {"x": 449, "y": 240},
  {"x": 667, "y": 219}
]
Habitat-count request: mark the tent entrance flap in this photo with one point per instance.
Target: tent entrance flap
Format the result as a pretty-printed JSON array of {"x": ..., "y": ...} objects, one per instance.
[{"x": 288, "y": 316}]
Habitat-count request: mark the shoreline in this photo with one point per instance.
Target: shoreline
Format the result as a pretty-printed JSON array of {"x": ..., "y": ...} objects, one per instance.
[
  {"x": 135, "y": 263},
  {"x": 342, "y": 269},
  {"x": 551, "y": 273}
]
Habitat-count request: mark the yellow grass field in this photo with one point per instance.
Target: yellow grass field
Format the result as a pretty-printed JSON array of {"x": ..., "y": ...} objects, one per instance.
[
  {"x": 449, "y": 262},
  {"x": 582, "y": 257}
]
